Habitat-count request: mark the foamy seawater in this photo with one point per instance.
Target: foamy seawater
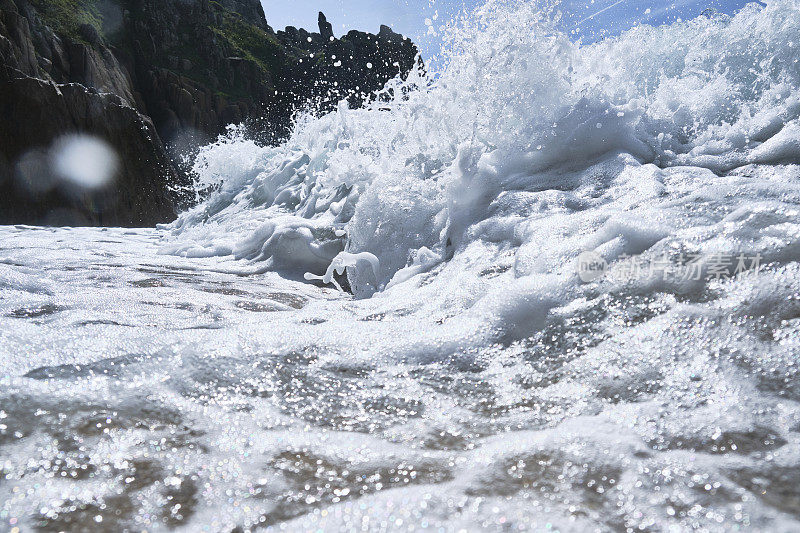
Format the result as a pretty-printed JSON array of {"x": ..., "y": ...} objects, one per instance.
[{"x": 574, "y": 305}]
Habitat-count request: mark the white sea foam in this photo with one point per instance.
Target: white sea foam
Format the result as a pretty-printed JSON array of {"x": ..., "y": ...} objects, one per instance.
[{"x": 475, "y": 381}]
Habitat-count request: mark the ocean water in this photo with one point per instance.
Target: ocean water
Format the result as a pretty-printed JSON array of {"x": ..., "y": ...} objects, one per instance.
[{"x": 571, "y": 302}]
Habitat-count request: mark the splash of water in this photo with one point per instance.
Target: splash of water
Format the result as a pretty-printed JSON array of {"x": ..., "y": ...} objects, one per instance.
[
  {"x": 583, "y": 270},
  {"x": 519, "y": 107}
]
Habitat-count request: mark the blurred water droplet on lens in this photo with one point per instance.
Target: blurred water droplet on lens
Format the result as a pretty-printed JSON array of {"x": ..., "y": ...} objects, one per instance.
[
  {"x": 32, "y": 173},
  {"x": 85, "y": 161}
]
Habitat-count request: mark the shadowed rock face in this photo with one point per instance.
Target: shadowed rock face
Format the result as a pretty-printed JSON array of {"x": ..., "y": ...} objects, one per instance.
[
  {"x": 37, "y": 111},
  {"x": 250, "y": 10},
  {"x": 155, "y": 78}
]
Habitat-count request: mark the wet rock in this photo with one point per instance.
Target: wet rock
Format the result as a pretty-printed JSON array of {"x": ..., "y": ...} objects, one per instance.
[{"x": 37, "y": 114}]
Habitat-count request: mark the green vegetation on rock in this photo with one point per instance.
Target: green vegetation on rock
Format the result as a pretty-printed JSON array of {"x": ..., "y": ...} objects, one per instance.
[
  {"x": 67, "y": 16},
  {"x": 249, "y": 41}
]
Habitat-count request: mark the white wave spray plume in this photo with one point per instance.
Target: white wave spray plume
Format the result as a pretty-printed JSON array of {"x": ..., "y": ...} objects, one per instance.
[{"x": 519, "y": 108}]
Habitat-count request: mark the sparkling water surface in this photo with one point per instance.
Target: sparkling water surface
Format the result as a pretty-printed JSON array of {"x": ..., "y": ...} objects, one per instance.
[{"x": 476, "y": 377}]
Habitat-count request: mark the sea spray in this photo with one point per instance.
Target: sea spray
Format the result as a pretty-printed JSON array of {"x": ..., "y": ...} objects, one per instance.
[{"x": 529, "y": 108}]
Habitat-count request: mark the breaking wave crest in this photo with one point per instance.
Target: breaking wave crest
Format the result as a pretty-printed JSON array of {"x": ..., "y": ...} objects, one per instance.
[{"x": 443, "y": 160}]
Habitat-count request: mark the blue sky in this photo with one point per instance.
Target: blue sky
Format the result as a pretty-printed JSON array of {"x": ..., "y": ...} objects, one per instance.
[{"x": 595, "y": 17}]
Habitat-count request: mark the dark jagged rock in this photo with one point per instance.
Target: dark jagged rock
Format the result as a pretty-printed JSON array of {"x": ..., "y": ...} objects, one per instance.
[
  {"x": 37, "y": 112},
  {"x": 238, "y": 69},
  {"x": 326, "y": 70},
  {"x": 179, "y": 71},
  {"x": 325, "y": 27}
]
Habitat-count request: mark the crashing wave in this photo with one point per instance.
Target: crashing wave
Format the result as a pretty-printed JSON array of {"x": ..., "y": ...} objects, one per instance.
[{"x": 524, "y": 132}]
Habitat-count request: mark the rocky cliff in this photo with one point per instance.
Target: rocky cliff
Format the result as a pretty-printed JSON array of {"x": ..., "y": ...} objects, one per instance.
[
  {"x": 153, "y": 78},
  {"x": 55, "y": 85},
  {"x": 200, "y": 65}
]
